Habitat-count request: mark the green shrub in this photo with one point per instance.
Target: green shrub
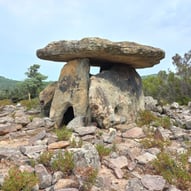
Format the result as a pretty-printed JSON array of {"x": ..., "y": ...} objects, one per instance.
[
  {"x": 63, "y": 162},
  {"x": 76, "y": 144},
  {"x": 163, "y": 122},
  {"x": 176, "y": 171},
  {"x": 88, "y": 177},
  {"x": 145, "y": 117},
  {"x": 29, "y": 104},
  {"x": 17, "y": 180},
  {"x": 45, "y": 158},
  {"x": 150, "y": 143},
  {"x": 5, "y": 102},
  {"x": 102, "y": 150},
  {"x": 63, "y": 134}
]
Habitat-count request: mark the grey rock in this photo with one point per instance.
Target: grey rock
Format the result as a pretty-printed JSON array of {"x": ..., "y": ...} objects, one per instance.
[
  {"x": 37, "y": 122},
  {"x": 150, "y": 103},
  {"x": 41, "y": 135},
  {"x": 68, "y": 189},
  {"x": 127, "y": 100},
  {"x": 100, "y": 51},
  {"x": 86, "y": 156},
  {"x": 188, "y": 124},
  {"x": 6, "y": 119},
  {"x": 71, "y": 95},
  {"x": 119, "y": 162},
  {"x": 153, "y": 182},
  {"x": 145, "y": 158},
  {"x": 33, "y": 151},
  {"x": 56, "y": 176},
  {"x": 8, "y": 128},
  {"x": 46, "y": 97},
  {"x": 174, "y": 105},
  {"x": 163, "y": 134},
  {"x": 78, "y": 121},
  {"x": 134, "y": 184},
  {"x": 85, "y": 130},
  {"x": 45, "y": 179}
]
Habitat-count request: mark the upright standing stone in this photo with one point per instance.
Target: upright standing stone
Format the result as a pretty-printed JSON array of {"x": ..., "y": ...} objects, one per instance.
[
  {"x": 71, "y": 94},
  {"x": 115, "y": 96}
]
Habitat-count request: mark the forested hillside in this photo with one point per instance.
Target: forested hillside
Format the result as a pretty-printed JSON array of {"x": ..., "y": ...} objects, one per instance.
[{"x": 6, "y": 84}]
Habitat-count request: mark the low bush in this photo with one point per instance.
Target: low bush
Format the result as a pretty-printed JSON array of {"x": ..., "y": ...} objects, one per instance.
[
  {"x": 176, "y": 170},
  {"x": 63, "y": 162},
  {"x": 63, "y": 134},
  {"x": 88, "y": 177},
  {"x": 45, "y": 158},
  {"x": 102, "y": 150},
  {"x": 17, "y": 180}
]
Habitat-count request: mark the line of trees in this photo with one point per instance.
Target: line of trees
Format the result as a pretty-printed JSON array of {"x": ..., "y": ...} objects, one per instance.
[
  {"x": 172, "y": 86},
  {"x": 27, "y": 89}
]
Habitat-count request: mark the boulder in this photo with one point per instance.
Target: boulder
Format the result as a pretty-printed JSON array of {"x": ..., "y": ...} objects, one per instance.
[
  {"x": 115, "y": 96},
  {"x": 102, "y": 51},
  {"x": 71, "y": 94},
  {"x": 46, "y": 97}
]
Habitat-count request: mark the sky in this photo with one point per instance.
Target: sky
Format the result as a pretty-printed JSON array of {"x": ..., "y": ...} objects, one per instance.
[{"x": 28, "y": 25}]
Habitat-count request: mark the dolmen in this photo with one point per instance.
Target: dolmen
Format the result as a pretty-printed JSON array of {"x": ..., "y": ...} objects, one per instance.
[{"x": 113, "y": 96}]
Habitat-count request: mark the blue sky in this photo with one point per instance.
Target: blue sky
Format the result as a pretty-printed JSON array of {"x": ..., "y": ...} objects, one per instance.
[{"x": 27, "y": 25}]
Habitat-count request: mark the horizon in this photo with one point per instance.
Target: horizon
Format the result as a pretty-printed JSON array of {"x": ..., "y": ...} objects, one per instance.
[{"x": 30, "y": 25}]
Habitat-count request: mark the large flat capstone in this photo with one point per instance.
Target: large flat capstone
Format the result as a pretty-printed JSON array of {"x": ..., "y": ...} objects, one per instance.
[{"x": 102, "y": 51}]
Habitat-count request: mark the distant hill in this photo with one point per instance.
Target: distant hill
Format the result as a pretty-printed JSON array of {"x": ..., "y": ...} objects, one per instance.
[{"x": 7, "y": 84}]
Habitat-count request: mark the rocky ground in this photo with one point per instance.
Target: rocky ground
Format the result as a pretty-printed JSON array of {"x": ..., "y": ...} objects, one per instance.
[{"x": 25, "y": 135}]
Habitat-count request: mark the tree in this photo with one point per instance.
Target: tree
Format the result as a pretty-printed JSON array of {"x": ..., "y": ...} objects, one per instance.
[
  {"x": 34, "y": 83},
  {"x": 170, "y": 87}
]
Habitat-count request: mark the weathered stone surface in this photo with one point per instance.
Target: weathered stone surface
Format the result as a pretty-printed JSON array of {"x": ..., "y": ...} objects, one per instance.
[
  {"x": 101, "y": 51},
  {"x": 66, "y": 183},
  {"x": 45, "y": 178},
  {"x": 78, "y": 121},
  {"x": 115, "y": 96},
  {"x": 86, "y": 156},
  {"x": 37, "y": 122},
  {"x": 85, "y": 130},
  {"x": 153, "y": 182},
  {"x": 134, "y": 133},
  {"x": 134, "y": 184},
  {"x": 32, "y": 151},
  {"x": 71, "y": 95},
  {"x": 145, "y": 158},
  {"x": 119, "y": 162},
  {"x": 57, "y": 176},
  {"x": 9, "y": 127},
  {"x": 46, "y": 97},
  {"x": 58, "y": 145}
]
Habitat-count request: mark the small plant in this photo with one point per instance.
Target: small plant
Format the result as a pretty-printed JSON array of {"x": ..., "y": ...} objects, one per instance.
[
  {"x": 145, "y": 117},
  {"x": 17, "y": 180},
  {"x": 88, "y": 177},
  {"x": 76, "y": 144},
  {"x": 163, "y": 122},
  {"x": 150, "y": 142},
  {"x": 45, "y": 158},
  {"x": 29, "y": 104},
  {"x": 63, "y": 162},
  {"x": 5, "y": 102},
  {"x": 63, "y": 134},
  {"x": 177, "y": 172},
  {"x": 102, "y": 150}
]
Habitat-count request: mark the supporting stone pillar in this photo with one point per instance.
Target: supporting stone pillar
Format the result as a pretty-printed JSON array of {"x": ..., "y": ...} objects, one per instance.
[{"x": 71, "y": 94}]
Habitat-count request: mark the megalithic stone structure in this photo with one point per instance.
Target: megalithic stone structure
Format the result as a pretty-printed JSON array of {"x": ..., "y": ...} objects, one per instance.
[{"x": 111, "y": 97}]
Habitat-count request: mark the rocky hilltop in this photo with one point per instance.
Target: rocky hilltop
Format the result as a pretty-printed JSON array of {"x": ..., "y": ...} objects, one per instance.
[{"x": 25, "y": 136}]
